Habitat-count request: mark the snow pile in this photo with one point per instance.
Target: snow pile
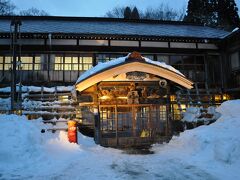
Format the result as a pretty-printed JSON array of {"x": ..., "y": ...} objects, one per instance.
[
  {"x": 195, "y": 114},
  {"x": 215, "y": 147},
  {"x": 20, "y": 139},
  {"x": 24, "y": 147},
  {"x": 191, "y": 114},
  {"x": 230, "y": 108},
  {"x": 207, "y": 152},
  {"x": 102, "y": 66},
  {"x": 5, "y": 104}
]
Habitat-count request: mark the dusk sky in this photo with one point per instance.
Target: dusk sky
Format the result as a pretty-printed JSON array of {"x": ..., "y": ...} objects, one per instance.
[{"x": 93, "y": 7}]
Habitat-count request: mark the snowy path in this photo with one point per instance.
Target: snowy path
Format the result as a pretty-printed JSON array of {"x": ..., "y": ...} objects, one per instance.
[
  {"x": 111, "y": 165},
  {"x": 95, "y": 162}
]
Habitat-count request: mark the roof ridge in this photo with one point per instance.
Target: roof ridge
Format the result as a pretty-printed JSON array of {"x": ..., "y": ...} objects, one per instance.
[{"x": 75, "y": 18}]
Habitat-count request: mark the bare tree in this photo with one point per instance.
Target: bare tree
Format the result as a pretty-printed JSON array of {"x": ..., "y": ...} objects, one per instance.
[
  {"x": 33, "y": 12},
  {"x": 117, "y": 12},
  {"x": 162, "y": 12},
  {"x": 6, "y": 7}
]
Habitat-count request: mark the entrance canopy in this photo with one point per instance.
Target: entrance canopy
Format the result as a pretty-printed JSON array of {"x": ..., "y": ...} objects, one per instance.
[{"x": 134, "y": 62}]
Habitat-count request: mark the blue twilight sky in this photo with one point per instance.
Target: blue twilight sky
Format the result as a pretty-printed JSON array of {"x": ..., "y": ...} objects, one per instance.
[{"x": 93, "y": 8}]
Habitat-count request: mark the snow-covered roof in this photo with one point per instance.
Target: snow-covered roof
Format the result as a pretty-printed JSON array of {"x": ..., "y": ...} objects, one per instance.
[
  {"x": 112, "y": 27},
  {"x": 122, "y": 65},
  {"x": 106, "y": 65}
]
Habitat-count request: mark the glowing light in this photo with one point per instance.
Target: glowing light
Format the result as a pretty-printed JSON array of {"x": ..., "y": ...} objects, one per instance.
[
  {"x": 104, "y": 97},
  {"x": 226, "y": 97},
  {"x": 122, "y": 97},
  {"x": 218, "y": 97},
  {"x": 183, "y": 106},
  {"x": 172, "y": 98},
  {"x": 63, "y": 98}
]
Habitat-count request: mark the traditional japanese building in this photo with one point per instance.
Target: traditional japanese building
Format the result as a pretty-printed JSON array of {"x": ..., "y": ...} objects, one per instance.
[
  {"x": 52, "y": 51},
  {"x": 128, "y": 100},
  {"x": 56, "y": 50}
]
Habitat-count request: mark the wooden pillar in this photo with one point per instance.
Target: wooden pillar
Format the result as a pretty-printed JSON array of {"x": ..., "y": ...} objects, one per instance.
[
  {"x": 63, "y": 71},
  {"x": 134, "y": 120},
  {"x": 97, "y": 125},
  {"x": 150, "y": 124},
  {"x": 94, "y": 62},
  {"x": 116, "y": 121},
  {"x": 15, "y": 24},
  {"x": 48, "y": 66},
  {"x": 169, "y": 118}
]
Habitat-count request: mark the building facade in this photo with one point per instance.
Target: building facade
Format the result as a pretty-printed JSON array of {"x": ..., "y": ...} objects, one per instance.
[{"x": 57, "y": 50}]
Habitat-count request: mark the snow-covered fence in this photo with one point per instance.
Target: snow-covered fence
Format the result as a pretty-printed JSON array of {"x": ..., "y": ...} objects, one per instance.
[{"x": 59, "y": 101}]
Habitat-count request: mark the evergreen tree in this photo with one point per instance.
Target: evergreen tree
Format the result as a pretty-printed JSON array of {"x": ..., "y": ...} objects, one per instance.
[
  {"x": 193, "y": 11},
  {"x": 201, "y": 12},
  {"x": 127, "y": 13},
  {"x": 215, "y": 13},
  {"x": 135, "y": 14},
  {"x": 228, "y": 17}
]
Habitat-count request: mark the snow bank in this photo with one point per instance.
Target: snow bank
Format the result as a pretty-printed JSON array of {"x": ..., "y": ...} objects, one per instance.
[
  {"x": 20, "y": 139},
  {"x": 215, "y": 147},
  {"x": 206, "y": 152},
  {"x": 230, "y": 108}
]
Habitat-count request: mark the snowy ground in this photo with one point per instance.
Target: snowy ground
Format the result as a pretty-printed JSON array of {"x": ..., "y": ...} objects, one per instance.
[{"x": 207, "y": 152}]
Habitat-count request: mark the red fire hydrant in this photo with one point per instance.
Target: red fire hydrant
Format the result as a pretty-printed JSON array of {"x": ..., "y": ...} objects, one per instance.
[{"x": 72, "y": 131}]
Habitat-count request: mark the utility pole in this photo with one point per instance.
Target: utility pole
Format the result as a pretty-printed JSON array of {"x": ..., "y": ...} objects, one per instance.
[{"x": 15, "y": 31}]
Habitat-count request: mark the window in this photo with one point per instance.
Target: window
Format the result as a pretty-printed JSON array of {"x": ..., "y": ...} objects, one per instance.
[
  {"x": 71, "y": 63},
  {"x": 1, "y": 62},
  {"x": 191, "y": 66},
  {"x": 27, "y": 63},
  {"x": 107, "y": 57},
  {"x": 114, "y": 56},
  {"x": 102, "y": 58},
  {"x": 8, "y": 63},
  {"x": 175, "y": 60},
  {"x": 58, "y": 63},
  {"x": 75, "y": 63},
  {"x": 214, "y": 70},
  {"x": 85, "y": 63},
  {"x": 149, "y": 56},
  {"x": 161, "y": 58},
  {"x": 37, "y": 63},
  {"x": 234, "y": 57},
  {"x": 188, "y": 60}
]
